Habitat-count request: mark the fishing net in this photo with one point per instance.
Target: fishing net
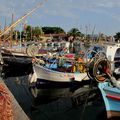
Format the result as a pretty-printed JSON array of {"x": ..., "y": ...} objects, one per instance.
[{"x": 6, "y": 112}]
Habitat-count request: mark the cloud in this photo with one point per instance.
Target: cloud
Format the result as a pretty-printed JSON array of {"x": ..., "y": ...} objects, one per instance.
[
  {"x": 60, "y": 7},
  {"x": 67, "y": 8},
  {"x": 64, "y": 8}
]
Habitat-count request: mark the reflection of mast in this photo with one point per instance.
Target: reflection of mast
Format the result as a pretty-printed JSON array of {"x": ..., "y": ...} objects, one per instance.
[{"x": 20, "y": 19}]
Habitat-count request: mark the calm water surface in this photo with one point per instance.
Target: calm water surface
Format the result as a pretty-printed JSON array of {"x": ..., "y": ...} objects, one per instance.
[{"x": 61, "y": 109}]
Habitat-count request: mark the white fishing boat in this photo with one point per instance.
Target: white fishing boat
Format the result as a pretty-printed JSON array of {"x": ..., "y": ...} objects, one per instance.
[
  {"x": 46, "y": 74},
  {"x": 57, "y": 75}
]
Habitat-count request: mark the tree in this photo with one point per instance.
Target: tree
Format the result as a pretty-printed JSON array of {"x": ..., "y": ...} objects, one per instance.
[
  {"x": 52, "y": 30},
  {"x": 117, "y": 36},
  {"x": 75, "y": 33},
  {"x": 16, "y": 34},
  {"x": 32, "y": 32}
]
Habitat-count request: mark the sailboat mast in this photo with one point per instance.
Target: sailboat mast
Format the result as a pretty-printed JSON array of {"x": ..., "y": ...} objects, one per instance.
[
  {"x": 4, "y": 37},
  {"x": 0, "y": 37}
]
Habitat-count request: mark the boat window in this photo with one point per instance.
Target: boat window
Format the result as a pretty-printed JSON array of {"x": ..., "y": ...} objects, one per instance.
[{"x": 117, "y": 54}]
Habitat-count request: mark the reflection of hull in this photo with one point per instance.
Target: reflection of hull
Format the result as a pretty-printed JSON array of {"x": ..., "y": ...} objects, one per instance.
[
  {"x": 47, "y": 95},
  {"x": 51, "y": 79},
  {"x": 111, "y": 96}
]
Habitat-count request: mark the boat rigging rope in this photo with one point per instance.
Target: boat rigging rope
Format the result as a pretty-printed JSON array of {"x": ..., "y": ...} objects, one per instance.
[{"x": 6, "y": 112}]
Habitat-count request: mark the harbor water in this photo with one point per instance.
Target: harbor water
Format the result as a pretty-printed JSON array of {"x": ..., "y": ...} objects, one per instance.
[{"x": 62, "y": 108}]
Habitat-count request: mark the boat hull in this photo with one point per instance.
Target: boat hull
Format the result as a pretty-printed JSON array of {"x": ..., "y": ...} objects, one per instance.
[
  {"x": 17, "y": 65},
  {"x": 111, "y": 97},
  {"x": 16, "y": 59},
  {"x": 44, "y": 74}
]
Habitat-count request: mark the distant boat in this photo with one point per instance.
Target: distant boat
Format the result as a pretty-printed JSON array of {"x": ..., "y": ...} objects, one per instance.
[{"x": 15, "y": 56}]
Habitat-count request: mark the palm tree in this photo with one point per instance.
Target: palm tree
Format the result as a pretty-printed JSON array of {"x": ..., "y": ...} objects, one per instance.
[
  {"x": 74, "y": 32},
  {"x": 117, "y": 36}
]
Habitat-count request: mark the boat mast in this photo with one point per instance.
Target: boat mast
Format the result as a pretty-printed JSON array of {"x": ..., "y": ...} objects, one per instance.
[
  {"x": 0, "y": 37},
  {"x": 4, "y": 37}
]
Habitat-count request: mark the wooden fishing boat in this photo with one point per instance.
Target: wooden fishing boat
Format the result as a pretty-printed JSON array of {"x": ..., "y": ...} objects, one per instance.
[
  {"x": 57, "y": 75},
  {"x": 15, "y": 55},
  {"x": 111, "y": 97}
]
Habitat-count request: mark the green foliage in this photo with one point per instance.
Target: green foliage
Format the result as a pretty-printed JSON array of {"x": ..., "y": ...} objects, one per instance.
[
  {"x": 32, "y": 32},
  {"x": 75, "y": 33},
  {"x": 16, "y": 34},
  {"x": 37, "y": 31},
  {"x": 117, "y": 36},
  {"x": 52, "y": 30}
]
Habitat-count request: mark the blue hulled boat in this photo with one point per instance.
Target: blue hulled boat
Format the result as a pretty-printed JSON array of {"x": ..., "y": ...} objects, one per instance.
[
  {"x": 102, "y": 70},
  {"x": 111, "y": 97}
]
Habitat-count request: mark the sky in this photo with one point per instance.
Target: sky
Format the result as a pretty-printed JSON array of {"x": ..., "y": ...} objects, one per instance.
[{"x": 86, "y": 15}]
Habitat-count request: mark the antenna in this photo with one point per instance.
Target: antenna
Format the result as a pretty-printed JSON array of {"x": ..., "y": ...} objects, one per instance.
[
  {"x": 93, "y": 33},
  {"x": 21, "y": 18},
  {"x": 11, "y": 32}
]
